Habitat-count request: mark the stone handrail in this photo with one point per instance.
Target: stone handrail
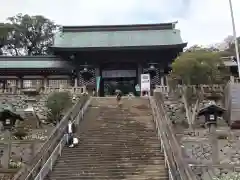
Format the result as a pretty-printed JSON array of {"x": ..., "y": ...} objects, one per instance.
[
  {"x": 178, "y": 168},
  {"x": 75, "y": 90},
  {"x": 46, "y": 90},
  {"x": 28, "y": 172},
  {"x": 204, "y": 88},
  {"x": 48, "y": 166},
  {"x": 162, "y": 89}
]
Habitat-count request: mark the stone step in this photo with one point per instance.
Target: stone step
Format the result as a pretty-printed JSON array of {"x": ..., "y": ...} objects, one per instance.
[
  {"x": 132, "y": 177},
  {"x": 98, "y": 141},
  {"x": 118, "y": 130},
  {"x": 115, "y": 157},
  {"x": 108, "y": 164},
  {"x": 122, "y": 173},
  {"x": 123, "y": 146},
  {"x": 114, "y": 144},
  {"x": 109, "y": 167}
]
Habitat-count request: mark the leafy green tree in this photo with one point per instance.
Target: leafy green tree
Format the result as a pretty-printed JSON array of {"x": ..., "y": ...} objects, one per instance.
[
  {"x": 57, "y": 104},
  {"x": 32, "y": 35},
  {"x": 230, "y": 176},
  {"x": 191, "y": 70},
  {"x": 4, "y": 32}
]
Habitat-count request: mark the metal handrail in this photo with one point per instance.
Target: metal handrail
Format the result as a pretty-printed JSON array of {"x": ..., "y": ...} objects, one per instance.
[
  {"x": 48, "y": 166},
  {"x": 160, "y": 136},
  {"x": 27, "y": 171},
  {"x": 178, "y": 169}
]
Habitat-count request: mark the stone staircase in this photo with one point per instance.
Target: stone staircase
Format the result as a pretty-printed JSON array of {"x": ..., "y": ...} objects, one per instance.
[
  {"x": 234, "y": 108},
  {"x": 115, "y": 143}
]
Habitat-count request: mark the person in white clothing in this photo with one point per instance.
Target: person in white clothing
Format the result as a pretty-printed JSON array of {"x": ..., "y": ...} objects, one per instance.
[{"x": 70, "y": 131}]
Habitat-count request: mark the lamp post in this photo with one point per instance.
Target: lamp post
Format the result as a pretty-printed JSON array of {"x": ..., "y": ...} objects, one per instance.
[{"x": 235, "y": 37}]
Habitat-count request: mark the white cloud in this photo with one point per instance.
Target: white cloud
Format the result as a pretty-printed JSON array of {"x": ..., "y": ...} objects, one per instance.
[{"x": 201, "y": 21}]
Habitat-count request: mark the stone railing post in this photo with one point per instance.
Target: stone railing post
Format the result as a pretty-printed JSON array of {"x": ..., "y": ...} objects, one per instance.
[
  {"x": 232, "y": 79},
  {"x": 214, "y": 142},
  {"x": 32, "y": 149},
  {"x": 7, "y": 150},
  {"x": 14, "y": 89}
]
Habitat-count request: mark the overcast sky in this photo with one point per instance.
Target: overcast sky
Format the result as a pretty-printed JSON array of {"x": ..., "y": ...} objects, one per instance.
[{"x": 201, "y": 21}]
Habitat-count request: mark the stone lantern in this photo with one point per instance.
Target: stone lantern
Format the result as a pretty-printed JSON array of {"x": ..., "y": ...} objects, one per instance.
[
  {"x": 151, "y": 70},
  {"x": 8, "y": 118},
  {"x": 86, "y": 74},
  {"x": 211, "y": 113}
]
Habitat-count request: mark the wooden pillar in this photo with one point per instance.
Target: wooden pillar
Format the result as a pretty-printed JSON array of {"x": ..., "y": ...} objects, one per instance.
[
  {"x": 77, "y": 79},
  {"x": 97, "y": 74},
  {"x": 3, "y": 85},
  {"x": 20, "y": 84},
  {"x": 139, "y": 72}
]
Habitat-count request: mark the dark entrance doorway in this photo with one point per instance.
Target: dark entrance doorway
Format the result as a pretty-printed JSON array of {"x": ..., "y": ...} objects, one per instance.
[
  {"x": 125, "y": 84},
  {"x": 121, "y": 76}
]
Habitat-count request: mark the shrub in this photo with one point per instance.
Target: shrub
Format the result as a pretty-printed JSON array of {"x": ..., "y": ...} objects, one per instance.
[
  {"x": 57, "y": 103},
  {"x": 229, "y": 176},
  {"x": 20, "y": 131},
  {"x": 14, "y": 165}
]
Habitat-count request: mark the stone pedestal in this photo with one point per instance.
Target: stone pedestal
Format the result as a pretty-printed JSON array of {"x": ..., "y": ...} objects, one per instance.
[
  {"x": 14, "y": 89},
  {"x": 32, "y": 149},
  {"x": 61, "y": 87},
  {"x": 7, "y": 150},
  {"x": 76, "y": 82},
  {"x": 214, "y": 142}
]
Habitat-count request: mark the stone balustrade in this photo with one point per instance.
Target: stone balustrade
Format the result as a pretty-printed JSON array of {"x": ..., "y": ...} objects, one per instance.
[
  {"x": 46, "y": 90},
  {"x": 204, "y": 88}
]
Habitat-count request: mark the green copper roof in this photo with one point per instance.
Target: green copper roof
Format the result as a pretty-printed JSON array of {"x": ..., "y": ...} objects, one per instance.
[
  {"x": 6, "y": 106},
  {"x": 128, "y": 38},
  {"x": 32, "y": 62}
]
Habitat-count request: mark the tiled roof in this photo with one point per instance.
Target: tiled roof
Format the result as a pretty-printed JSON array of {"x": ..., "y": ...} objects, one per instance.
[
  {"x": 18, "y": 62},
  {"x": 133, "y": 38}
]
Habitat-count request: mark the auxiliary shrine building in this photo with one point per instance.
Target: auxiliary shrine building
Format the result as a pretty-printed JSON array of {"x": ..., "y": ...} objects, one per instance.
[{"x": 98, "y": 57}]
